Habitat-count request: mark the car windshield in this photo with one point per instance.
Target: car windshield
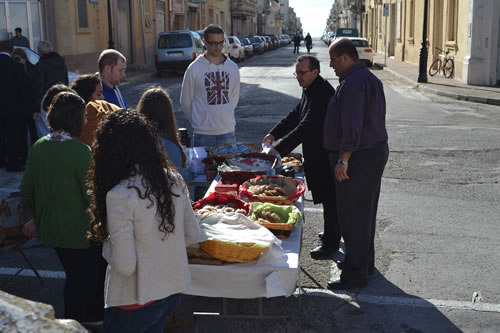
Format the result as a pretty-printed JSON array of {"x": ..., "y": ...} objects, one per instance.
[
  {"x": 254, "y": 39},
  {"x": 174, "y": 41},
  {"x": 231, "y": 40},
  {"x": 359, "y": 43},
  {"x": 245, "y": 41}
]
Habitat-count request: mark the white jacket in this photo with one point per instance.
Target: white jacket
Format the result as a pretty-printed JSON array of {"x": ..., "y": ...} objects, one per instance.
[
  {"x": 210, "y": 94},
  {"x": 141, "y": 266}
]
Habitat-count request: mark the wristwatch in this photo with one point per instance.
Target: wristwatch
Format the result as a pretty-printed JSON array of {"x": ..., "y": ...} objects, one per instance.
[{"x": 341, "y": 161}]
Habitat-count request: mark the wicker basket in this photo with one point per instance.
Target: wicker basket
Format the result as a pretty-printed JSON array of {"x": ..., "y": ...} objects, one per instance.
[
  {"x": 231, "y": 252},
  {"x": 217, "y": 198},
  {"x": 240, "y": 176},
  {"x": 280, "y": 230},
  {"x": 220, "y": 158},
  {"x": 278, "y": 200}
]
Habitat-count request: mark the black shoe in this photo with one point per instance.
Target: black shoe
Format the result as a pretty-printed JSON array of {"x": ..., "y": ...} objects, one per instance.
[
  {"x": 340, "y": 265},
  {"x": 323, "y": 252},
  {"x": 344, "y": 285},
  {"x": 320, "y": 235}
]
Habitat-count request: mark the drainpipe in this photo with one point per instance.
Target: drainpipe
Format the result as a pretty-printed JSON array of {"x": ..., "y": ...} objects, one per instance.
[
  {"x": 111, "y": 44},
  {"x": 143, "y": 33}
]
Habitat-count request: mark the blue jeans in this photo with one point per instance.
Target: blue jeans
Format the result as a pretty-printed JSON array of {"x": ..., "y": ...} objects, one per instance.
[
  {"x": 205, "y": 140},
  {"x": 149, "y": 319}
]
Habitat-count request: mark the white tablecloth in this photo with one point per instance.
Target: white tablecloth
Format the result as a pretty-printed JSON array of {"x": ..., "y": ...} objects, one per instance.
[{"x": 270, "y": 276}]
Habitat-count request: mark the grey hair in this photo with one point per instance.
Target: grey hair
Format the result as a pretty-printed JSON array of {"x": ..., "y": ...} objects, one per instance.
[{"x": 44, "y": 47}]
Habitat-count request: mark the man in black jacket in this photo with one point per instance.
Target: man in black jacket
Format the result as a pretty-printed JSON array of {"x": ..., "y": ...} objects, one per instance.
[
  {"x": 49, "y": 70},
  {"x": 13, "y": 82},
  {"x": 304, "y": 125}
]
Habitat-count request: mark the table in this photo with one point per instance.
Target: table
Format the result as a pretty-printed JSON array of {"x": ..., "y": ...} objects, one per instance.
[{"x": 263, "y": 278}]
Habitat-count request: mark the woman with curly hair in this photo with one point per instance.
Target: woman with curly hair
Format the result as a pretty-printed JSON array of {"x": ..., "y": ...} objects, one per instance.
[
  {"x": 143, "y": 216},
  {"x": 158, "y": 108},
  {"x": 54, "y": 190},
  {"x": 89, "y": 87}
]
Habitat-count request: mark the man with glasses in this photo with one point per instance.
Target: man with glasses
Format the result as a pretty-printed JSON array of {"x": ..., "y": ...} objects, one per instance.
[
  {"x": 356, "y": 138},
  {"x": 210, "y": 92},
  {"x": 304, "y": 125}
]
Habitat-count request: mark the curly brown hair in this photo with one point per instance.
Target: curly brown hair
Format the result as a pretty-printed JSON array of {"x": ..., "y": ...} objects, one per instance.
[{"x": 127, "y": 145}]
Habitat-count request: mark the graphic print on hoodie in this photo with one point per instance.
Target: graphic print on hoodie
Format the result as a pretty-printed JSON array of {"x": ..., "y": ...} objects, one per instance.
[{"x": 217, "y": 87}]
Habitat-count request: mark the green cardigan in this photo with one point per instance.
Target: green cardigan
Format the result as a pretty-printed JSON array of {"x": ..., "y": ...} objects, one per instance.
[{"x": 55, "y": 192}]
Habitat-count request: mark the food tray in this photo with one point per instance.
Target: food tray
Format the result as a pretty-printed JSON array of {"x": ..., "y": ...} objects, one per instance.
[
  {"x": 232, "y": 252},
  {"x": 278, "y": 200},
  {"x": 217, "y": 198},
  {"x": 220, "y": 158}
]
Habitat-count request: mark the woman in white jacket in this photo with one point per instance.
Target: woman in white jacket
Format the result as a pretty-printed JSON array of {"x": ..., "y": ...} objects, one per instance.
[{"x": 143, "y": 216}]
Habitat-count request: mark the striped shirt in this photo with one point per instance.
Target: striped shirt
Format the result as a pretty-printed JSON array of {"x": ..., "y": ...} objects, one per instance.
[{"x": 356, "y": 113}]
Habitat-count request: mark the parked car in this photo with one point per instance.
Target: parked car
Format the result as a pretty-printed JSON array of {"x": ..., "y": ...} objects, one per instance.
[
  {"x": 175, "y": 50},
  {"x": 266, "y": 43},
  {"x": 274, "y": 40},
  {"x": 257, "y": 43},
  {"x": 248, "y": 46},
  {"x": 284, "y": 40},
  {"x": 270, "y": 44},
  {"x": 365, "y": 52},
  {"x": 33, "y": 58},
  {"x": 236, "y": 50}
]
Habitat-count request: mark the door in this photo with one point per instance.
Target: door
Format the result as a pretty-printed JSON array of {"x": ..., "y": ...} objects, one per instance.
[
  {"x": 161, "y": 18},
  {"x": 437, "y": 29},
  {"x": 392, "y": 34},
  {"x": 123, "y": 28},
  {"x": 498, "y": 54}
]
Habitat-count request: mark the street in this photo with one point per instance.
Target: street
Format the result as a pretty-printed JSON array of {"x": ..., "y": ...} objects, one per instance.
[{"x": 437, "y": 232}]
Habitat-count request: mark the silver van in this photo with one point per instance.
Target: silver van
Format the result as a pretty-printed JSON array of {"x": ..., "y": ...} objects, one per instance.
[{"x": 175, "y": 50}]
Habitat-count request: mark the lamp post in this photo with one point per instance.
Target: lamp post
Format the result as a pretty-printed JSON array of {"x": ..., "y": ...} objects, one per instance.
[
  {"x": 422, "y": 69},
  {"x": 111, "y": 44}
]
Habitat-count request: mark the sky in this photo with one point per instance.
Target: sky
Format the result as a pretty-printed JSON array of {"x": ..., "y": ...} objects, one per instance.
[{"x": 313, "y": 14}]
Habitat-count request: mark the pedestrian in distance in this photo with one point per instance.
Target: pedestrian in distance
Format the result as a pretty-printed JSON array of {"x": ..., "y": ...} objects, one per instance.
[
  {"x": 112, "y": 68},
  {"x": 356, "y": 138},
  {"x": 49, "y": 70},
  {"x": 142, "y": 213},
  {"x": 304, "y": 125},
  {"x": 89, "y": 88},
  {"x": 54, "y": 190},
  {"x": 156, "y": 105},
  {"x": 308, "y": 41},
  {"x": 210, "y": 92},
  {"x": 13, "y": 85},
  {"x": 19, "y": 39},
  {"x": 296, "y": 43}
]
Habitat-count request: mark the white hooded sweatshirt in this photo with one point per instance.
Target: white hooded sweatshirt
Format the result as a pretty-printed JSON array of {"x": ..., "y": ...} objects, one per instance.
[{"x": 210, "y": 94}]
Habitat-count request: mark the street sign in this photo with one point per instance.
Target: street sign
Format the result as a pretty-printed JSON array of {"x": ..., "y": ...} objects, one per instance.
[{"x": 386, "y": 9}]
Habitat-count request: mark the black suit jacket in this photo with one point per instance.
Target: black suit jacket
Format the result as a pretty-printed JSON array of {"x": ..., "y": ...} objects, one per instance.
[
  {"x": 13, "y": 82},
  {"x": 304, "y": 125}
]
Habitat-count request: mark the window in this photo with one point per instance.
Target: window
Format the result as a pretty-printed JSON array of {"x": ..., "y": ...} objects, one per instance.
[
  {"x": 452, "y": 20},
  {"x": 411, "y": 30},
  {"x": 82, "y": 15},
  {"x": 174, "y": 41}
]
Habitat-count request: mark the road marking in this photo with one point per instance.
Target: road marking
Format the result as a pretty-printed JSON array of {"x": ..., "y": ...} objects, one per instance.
[
  {"x": 403, "y": 301},
  {"x": 313, "y": 210},
  {"x": 29, "y": 272},
  {"x": 370, "y": 299}
]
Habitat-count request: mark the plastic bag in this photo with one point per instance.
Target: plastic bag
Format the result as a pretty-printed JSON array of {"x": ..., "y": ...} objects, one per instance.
[{"x": 195, "y": 158}]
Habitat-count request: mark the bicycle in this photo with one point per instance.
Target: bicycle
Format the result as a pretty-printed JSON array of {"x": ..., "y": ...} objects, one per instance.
[{"x": 444, "y": 63}]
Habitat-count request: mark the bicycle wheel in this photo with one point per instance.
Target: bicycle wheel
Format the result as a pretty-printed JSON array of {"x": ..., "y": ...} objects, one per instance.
[
  {"x": 434, "y": 69},
  {"x": 449, "y": 68}
]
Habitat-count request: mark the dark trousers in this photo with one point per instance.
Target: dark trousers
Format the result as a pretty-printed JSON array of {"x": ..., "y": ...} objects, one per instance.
[
  {"x": 84, "y": 286},
  {"x": 28, "y": 128},
  {"x": 296, "y": 48},
  {"x": 331, "y": 227},
  {"x": 11, "y": 139},
  {"x": 357, "y": 203}
]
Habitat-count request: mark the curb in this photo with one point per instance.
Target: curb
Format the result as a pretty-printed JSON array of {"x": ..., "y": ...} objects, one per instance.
[{"x": 425, "y": 88}]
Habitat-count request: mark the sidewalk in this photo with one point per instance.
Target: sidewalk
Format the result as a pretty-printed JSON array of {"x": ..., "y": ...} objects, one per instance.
[{"x": 438, "y": 84}]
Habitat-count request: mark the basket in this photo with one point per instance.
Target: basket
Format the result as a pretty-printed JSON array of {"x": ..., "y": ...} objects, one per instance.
[
  {"x": 280, "y": 230},
  {"x": 232, "y": 252},
  {"x": 217, "y": 198},
  {"x": 277, "y": 200},
  {"x": 296, "y": 168},
  {"x": 240, "y": 176},
  {"x": 220, "y": 158}
]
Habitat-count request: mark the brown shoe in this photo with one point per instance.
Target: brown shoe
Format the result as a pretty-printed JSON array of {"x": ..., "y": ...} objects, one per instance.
[{"x": 176, "y": 323}]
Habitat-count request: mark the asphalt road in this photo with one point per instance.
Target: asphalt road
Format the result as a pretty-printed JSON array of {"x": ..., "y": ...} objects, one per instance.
[{"x": 437, "y": 233}]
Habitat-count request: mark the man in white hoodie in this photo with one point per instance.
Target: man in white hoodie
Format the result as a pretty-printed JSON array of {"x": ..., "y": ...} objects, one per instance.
[{"x": 210, "y": 92}]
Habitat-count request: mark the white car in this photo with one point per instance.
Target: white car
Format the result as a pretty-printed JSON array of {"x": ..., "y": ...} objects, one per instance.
[
  {"x": 236, "y": 50},
  {"x": 365, "y": 52}
]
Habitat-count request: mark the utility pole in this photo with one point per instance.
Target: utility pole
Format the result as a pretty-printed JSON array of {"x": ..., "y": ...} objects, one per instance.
[
  {"x": 111, "y": 44},
  {"x": 422, "y": 69}
]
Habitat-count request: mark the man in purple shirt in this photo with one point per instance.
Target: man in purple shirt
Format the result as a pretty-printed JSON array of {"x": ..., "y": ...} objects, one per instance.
[{"x": 356, "y": 138}]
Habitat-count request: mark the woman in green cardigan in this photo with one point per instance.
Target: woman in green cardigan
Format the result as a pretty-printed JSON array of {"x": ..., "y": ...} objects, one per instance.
[{"x": 55, "y": 192}]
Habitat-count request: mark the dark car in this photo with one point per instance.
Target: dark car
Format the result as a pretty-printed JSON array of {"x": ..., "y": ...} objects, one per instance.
[
  {"x": 274, "y": 39},
  {"x": 258, "y": 45}
]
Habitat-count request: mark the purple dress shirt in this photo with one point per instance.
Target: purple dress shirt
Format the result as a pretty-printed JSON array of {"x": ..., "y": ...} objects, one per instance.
[{"x": 355, "y": 117}]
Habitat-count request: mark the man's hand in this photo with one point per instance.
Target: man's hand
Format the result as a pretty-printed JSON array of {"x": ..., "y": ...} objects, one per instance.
[
  {"x": 269, "y": 138},
  {"x": 36, "y": 116},
  {"x": 341, "y": 172},
  {"x": 29, "y": 229}
]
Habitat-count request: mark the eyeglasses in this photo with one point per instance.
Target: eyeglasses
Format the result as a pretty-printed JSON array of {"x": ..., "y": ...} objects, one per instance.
[
  {"x": 214, "y": 43},
  {"x": 301, "y": 73}
]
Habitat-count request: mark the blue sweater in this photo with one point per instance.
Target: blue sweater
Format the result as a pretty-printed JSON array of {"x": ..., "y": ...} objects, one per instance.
[{"x": 110, "y": 95}]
